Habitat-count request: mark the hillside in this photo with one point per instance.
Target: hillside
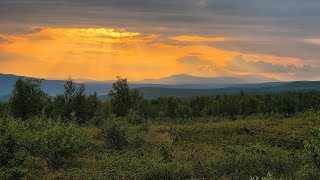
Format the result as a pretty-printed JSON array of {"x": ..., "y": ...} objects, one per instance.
[
  {"x": 149, "y": 88},
  {"x": 216, "y": 81},
  {"x": 54, "y": 87},
  {"x": 151, "y": 92}
]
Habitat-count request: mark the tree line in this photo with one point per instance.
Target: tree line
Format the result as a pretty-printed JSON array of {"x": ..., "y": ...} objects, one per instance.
[{"x": 29, "y": 100}]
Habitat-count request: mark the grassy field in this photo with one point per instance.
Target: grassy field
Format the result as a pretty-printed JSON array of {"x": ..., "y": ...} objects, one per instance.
[
  {"x": 240, "y": 149},
  {"x": 76, "y": 136}
]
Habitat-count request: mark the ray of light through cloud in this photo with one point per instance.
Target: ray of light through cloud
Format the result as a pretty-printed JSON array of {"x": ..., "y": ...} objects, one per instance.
[{"x": 152, "y": 39}]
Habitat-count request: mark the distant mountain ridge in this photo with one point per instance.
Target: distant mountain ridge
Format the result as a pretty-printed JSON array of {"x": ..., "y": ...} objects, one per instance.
[
  {"x": 262, "y": 88},
  {"x": 187, "y": 79},
  {"x": 185, "y": 86}
]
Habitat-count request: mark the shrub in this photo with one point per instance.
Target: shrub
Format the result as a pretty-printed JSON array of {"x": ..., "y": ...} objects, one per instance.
[
  {"x": 144, "y": 127},
  {"x": 177, "y": 135},
  {"x": 115, "y": 135},
  {"x": 58, "y": 145},
  {"x": 138, "y": 141},
  {"x": 133, "y": 118},
  {"x": 268, "y": 177},
  {"x": 167, "y": 171},
  {"x": 12, "y": 152},
  {"x": 248, "y": 164},
  {"x": 312, "y": 146},
  {"x": 12, "y": 173},
  {"x": 307, "y": 172},
  {"x": 166, "y": 152}
]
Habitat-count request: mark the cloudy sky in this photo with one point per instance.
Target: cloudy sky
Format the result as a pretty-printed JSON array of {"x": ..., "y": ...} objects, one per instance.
[{"x": 140, "y": 39}]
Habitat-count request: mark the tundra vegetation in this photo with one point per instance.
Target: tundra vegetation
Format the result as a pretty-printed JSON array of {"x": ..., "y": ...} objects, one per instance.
[{"x": 77, "y": 136}]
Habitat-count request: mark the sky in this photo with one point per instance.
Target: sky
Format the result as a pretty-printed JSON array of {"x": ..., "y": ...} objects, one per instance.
[{"x": 143, "y": 39}]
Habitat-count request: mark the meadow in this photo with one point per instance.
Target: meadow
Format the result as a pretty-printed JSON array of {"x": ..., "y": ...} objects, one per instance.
[
  {"x": 226, "y": 149},
  {"x": 112, "y": 144}
]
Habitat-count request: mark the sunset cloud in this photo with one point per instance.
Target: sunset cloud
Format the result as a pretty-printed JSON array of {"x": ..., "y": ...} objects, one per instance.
[
  {"x": 240, "y": 64},
  {"x": 193, "y": 60},
  {"x": 101, "y": 39},
  {"x": 104, "y": 53},
  {"x": 198, "y": 39},
  {"x": 313, "y": 41}
]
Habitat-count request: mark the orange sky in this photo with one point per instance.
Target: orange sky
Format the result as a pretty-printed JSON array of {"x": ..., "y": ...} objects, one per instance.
[{"x": 104, "y": 53}]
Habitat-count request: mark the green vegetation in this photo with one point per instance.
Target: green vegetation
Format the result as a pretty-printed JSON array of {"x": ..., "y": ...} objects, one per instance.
[
  {"x": 115, "y": 135},
  {"x": 76, "y": 136}
]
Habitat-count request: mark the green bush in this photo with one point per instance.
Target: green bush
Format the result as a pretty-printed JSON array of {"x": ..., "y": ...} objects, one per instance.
[
  {"x": 133, "y": 118},
  {"x": 307, "y": 172},
  {"x": 144, "y": 127},
  {"x": 138, "y": 141},
  {"x": 165, "y": 151},
  {"x": 115, "y": 134},
  {"x": 177, "y": 135},
  {"x": 12, "y": 152},
  {"x": 167, "y": 171},
  {"x": 247, "y": 164},
  {"x": 98, "y": 118},
  {"x": 57, "y": 144},
  {"x": 312, "y": 146},
  {"x": 268, "y": 177},
  {"x": 12, "y": 173}
]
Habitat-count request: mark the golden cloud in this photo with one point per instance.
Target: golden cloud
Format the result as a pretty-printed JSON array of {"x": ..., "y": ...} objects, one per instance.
[{"x": 104, "y": 53}]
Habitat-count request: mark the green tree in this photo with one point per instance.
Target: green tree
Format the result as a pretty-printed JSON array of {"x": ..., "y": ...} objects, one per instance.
[
  {"x": 147, "y": 109},
  {"x": 287, "y": 104},
  {"x": 80, "y": 100},
  {"x": 69, "y": 97},
  {"x": 4, "y": 109},
  {"x": 197, "y": 105},
  {"x": 122, "y": 97},
  {"x": 12, "y": 152},
  {"x": 248, "y": 105},
  {"x": 172, "y": 106},
  {"x": 93, "y": 105},
  {"x": 27, "y": 98},
  {"x": 73, "y": 101}
]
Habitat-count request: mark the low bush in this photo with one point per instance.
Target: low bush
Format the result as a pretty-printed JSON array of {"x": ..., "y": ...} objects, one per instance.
[
  {"x": 144, "y": 127},
  {"x": 115, "y": 135},
  {"x": 248, "y": 164},
  {"x": 12, "y": 151},
  {"x": 177, "y": 135},
  {"x": 307, "y": 172},
  {"x": 58, "y": 144},
  {"x": 312, "y": 146},
  {"x": 133, "y": 118},
  {"x": 165, "y": 151},
  {"x": 268, "y": 177},
  {"x": 168, "y": 171},
  {"x": 138, "y": 141}
]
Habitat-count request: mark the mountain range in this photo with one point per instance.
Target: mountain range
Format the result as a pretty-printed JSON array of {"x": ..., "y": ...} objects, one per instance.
[
  {"x": 183, "y": 79},
  {"x": 181, "y": 85}
]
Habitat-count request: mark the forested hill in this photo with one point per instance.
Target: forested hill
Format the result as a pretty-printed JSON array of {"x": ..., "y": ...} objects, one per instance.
[
  {"x": 152, "y": 92},
  {"x": 54, "y": 87}
]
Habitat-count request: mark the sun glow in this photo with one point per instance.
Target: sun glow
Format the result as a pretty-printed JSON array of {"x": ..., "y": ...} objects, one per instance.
[{"x": 104, "y": 53}]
